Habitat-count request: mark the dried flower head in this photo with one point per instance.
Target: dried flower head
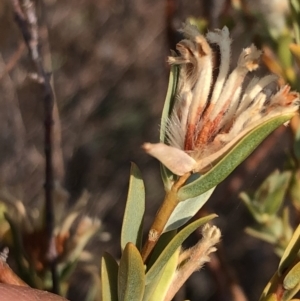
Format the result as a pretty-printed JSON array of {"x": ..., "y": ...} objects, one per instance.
[{"x": 213, "y": 110}]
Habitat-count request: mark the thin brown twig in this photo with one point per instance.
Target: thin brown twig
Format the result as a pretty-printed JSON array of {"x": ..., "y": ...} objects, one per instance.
[
  {"x": 58, "y": 161},
  {"x": 26, "y": 18}
]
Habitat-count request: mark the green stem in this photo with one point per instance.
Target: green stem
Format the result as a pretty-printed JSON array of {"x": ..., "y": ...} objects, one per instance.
[{"x": 162, "y": 216}]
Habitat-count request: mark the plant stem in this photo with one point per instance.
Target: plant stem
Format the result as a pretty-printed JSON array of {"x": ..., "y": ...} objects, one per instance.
[
  {"x": 26, "y": 18},
  {"x": 163, "y": 215}
]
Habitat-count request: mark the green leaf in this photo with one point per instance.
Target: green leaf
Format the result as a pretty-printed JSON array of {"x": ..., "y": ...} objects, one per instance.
[
  {"x": 160, "y": 246},
  {"x": 270, "y": 287},
  {"x": 295, "y": 5},
  {"x": 132, "y": 228},
  {"x": 251, "y": 207},
  {"x": 285, "y": 56},
  {"x": 166, "y": 278},
  {"x": 289, "y": 294},
  {"x": 295, "y": 10},
  {"x": 261, "y": 233},
  {"x": 175, "y": 243},
  {"x": 287, "y": 229},
  {"x": 271, "y": 193},
  {"x": 294, "y": 188},
  {"x": 109, "y": 278},
  {"x": 168, "y": 106},
  {"x": 131, "y": 276},
  {"x": 185, "y": 210},
  {"x": 292, "y": 279},
  {"x": 162, "y": 243},
  {"x": 232, "y": 159},
  {"x": 290, "y": 252},
  {"x": 296, "y": 146}
]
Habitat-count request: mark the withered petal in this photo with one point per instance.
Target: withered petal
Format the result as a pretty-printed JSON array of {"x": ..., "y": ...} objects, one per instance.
[{"x": 176, "y": 160}]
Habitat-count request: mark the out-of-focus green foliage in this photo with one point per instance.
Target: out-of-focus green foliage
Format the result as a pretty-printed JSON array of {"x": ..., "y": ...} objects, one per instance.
[{"x": 272, "y": 226}]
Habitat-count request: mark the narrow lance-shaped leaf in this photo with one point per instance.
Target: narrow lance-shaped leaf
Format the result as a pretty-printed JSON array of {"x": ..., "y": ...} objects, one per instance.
[
  {"x": 163, "y": 241},
  {"x": 166, "y": 278},
  {"x": 295, "y": 49},
  {"x": 290, "y": 252},
  {"x": 295, "y": 10},
  {"x": 232, "y": 159},
  {"x": 131, "y": 276},
  {"x": 292, "y": 279},
  {"x": 270, "y": 287},
  {"x": 109, "y": 278},
  {"x": 185, "y": 210},
  {"x": 278, "y": 190},
  {"x": 132, "y": 227},
  {"x": 251, "y": 207},
  {"x": 289, "y": 294},
  {"x": 173, "y": 246}
]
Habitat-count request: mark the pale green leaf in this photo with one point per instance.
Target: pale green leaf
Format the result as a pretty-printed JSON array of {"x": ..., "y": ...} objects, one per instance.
[
  {"x": 109, "y": 278},
  {"x": 295, "y": 10},
  {"x": 289, "y": 294},
  {"x": 271, "y": 193},
  {"x": 251, "y": 207},
  {"x": 132, "y": 228},
  {"x": 166, "y": 278},
  {"x": 131, "y": 276},
  {"x": 162, "y": 243},
  {"x": 296, "y": 146},
  {"x": 270, "y": 287},
  {"x": 290, "y": 252},
  {"x": 159, "y": 247},
  {"x": 285, "y": 56},
  {"x": 296, "y": 5},
  {"x": 292, "y": 279},
  {"x": 232, "y": 159},
  {"x": 175, "y": 243},
  {"x": 286, "y": 224},
  {"x": 185, "y": 210},
  {"x": 261, "y": 233}
]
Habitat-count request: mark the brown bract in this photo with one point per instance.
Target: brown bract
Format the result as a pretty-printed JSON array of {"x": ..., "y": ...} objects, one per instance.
[{"x": 10, "y": 292}]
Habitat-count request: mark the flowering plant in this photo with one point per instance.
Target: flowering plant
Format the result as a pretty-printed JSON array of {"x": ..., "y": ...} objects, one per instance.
[{"x": 211, "y": 122}]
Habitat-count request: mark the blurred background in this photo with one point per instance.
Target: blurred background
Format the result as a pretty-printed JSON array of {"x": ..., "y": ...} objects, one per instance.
[{"x": 110, "y": 78}]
